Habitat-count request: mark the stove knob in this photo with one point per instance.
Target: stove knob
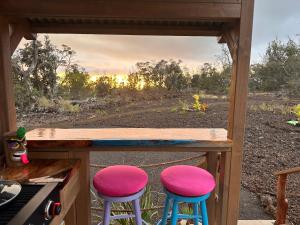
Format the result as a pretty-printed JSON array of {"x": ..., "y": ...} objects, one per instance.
[
  {"x": 55, "y": 209},
  {"x": 52, "y": 209}
]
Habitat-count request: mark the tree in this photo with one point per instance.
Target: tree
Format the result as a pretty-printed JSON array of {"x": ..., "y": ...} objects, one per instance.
[
  {"x": 145, "y": 70},
  {"x": 163, "y": 74},
  {"x": 36, "y": 65},
  {"x": 280, "y": 69},
  {"x": 104, "y": 85},
  {"x": 175, "y": 78},
  {"x": 211, "y": 80},
  {"x": 76, "y": 82},
  {"x": 133, "y": 81}
]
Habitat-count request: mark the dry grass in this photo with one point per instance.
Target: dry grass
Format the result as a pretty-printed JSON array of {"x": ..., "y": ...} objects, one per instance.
[{"x": 275, "y": 108}]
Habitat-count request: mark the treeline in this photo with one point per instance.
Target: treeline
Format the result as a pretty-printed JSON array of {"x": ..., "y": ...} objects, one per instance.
[
  {"x": 279, "y": 70},
  {"x": 35, "y": 70},
  {"x": 164, "y": 74}
]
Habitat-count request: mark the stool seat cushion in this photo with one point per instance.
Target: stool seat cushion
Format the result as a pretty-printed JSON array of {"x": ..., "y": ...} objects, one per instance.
[
  {"x": 120, "y": 180},
  {"x": 189, "y": 181}
]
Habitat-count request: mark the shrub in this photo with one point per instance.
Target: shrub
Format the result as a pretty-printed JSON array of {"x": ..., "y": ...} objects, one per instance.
[
  {"x": 183, "y": 106},
  {"x": 296, "y": 111},
  {"x": 66, "y": 106},
  {"x": 198, "y": 106},
  {"x": 44, "y": 103},
  {"x": 24, "y": 97}
]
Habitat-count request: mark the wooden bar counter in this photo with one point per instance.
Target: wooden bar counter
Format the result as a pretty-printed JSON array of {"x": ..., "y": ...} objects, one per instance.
[
  {"x": 122, "y": 137},
  {"x": 77, "y": 143}
]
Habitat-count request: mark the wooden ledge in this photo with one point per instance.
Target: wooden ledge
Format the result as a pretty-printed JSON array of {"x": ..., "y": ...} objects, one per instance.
[
  {"x": 130, "y": 137},
  {"x": 37, "y": 169}
]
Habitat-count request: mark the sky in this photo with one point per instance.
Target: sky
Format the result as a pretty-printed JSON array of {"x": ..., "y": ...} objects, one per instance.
[{"x": 118, "y": 54}]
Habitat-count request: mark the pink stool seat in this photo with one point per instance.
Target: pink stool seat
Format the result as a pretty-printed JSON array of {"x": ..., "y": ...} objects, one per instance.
[
  {"x": 188, "y": 181},
  {"x": 120, "y": 180}
]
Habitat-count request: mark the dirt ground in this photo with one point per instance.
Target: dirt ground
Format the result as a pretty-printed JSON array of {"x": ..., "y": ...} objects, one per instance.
[{"x": 270, "y": 144}]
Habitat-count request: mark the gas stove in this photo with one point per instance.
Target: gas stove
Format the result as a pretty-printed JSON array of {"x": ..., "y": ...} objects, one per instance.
[{"x": 37, "y": 204}]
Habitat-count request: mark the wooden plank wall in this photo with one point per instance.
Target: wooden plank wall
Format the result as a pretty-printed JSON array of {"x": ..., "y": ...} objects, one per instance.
[{"x": 7, "y": 104}]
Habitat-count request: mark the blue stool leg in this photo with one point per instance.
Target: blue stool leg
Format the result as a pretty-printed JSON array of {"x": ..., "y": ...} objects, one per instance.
[
  {"x": 204, "y": 213},
  {"x": 196, "y": 213},
  {"x": 137, "y": 211},
  {"x": 174, "y": 212},
  {"x": 166, "y": 211},
  {"x": 106, "y": 216}
]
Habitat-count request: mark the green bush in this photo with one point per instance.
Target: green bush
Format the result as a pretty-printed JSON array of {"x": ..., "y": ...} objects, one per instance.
[
  {"x": 211, "y": 80},
  {"x": 24, "y": 97}
]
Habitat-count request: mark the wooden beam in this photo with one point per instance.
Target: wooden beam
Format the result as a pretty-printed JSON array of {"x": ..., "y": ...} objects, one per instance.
[
  {"x": 120, "y": 9},
  {"x": 230, "y": 36},
  {"x": 20, "y": 30},
  {"x": 221, "y": 39},
  {"x": 15, "y": 38},
  {"x": 238, "y": 107},
  {"x": 30, "y": 36},
  {"x": 125, "y": 29},
  {"x": 7, "y": 111}
]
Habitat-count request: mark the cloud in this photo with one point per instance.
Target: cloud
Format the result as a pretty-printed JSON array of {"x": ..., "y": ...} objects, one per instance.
[
  {"x": 116, "y": 53},
  {"x": 274, "y": 19}
]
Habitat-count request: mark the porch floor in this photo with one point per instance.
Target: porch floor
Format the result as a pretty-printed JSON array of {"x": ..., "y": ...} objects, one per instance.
[
  {"x": 247, "y": 222},
  {"x": 256, "y": 222}
]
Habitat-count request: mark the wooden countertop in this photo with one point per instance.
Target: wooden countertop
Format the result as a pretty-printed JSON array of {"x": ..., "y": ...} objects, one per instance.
[
  {"x": 134, "y": 137},
  {"x": 39, "y": 170}
]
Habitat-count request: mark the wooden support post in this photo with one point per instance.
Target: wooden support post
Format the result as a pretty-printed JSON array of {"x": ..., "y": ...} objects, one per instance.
[
  {"x": 70, "y": 218},
  {"x": 282, "y": 204},
  {"x": 7, "y": 104},
  {"x": 16, "y": 37},
  {"x": 83, "y": 201},
  {"x": 222, "y": 204},
  {"x": 238, "y": 107},
  {"x": 212, "y": 162}
]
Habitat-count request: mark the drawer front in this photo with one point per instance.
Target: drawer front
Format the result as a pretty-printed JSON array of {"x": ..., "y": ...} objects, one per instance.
[{"x": 68, "y": 195}]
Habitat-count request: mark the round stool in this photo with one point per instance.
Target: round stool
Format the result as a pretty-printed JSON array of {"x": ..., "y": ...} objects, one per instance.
[
  {"x": 121, "y": 183},
  {"x": 188, "y": 184}
]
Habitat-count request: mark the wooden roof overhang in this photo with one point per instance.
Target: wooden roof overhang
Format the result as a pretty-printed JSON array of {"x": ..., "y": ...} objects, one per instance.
[
  {"x": 229, "y": 20},
  {"x": 143, "y": 17}
]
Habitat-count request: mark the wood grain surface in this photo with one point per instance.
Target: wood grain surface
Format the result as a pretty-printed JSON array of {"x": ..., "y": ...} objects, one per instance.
[
  {"x": 37, "y": 169},
  {"x": 192, "y": 137}
]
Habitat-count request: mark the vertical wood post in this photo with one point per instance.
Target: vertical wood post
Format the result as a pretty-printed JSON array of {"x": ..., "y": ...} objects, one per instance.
[
  {"x": 238, "y": 107},
  {"x": 83, "y": 201},
  {"x": 221, "y": 208},
  {"x": 212, "y": 162},
  {"x": 7, "y": 104},
  {"x": 282, "y": 204}
]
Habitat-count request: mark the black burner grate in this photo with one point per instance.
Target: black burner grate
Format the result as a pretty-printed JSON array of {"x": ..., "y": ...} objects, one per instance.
[{"x": 7, "y": 212}]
